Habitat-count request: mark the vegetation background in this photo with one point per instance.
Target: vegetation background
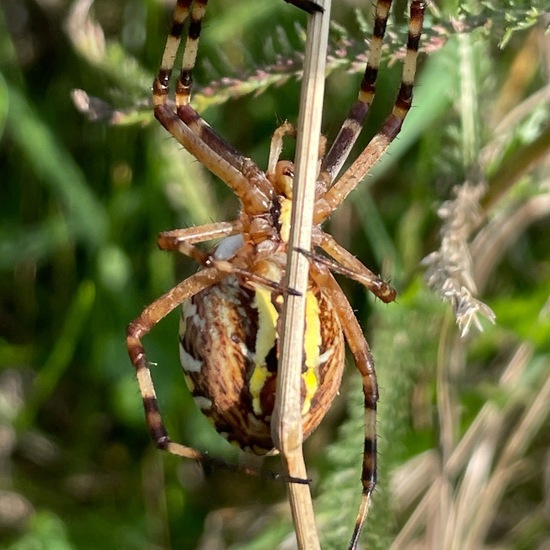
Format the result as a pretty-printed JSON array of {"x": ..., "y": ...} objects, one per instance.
[{"x": 464, "y": 423}]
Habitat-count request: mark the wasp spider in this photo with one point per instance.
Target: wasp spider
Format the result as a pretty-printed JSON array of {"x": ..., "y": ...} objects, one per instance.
[{"x": 230, "y": 308}]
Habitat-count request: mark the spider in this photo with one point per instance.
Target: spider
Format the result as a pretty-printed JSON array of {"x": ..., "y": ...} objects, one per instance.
[{"x": 230, "y": 321}]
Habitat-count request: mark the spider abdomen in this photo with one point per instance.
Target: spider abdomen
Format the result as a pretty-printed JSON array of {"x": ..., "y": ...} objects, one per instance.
[{"x": 229, "y": 352}]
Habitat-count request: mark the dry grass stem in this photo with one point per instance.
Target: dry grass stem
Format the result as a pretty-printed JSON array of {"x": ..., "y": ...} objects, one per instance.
[
  {"x": 460, "y": 501},
  {"x": 287, "y": 417},
  {"x": 492, "y": 242}
]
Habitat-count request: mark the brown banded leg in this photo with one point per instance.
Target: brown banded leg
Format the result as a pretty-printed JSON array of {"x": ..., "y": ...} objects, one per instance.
[
  {"x": 182, "y": 240},
  {"x": 348, "y": 134},
  {"x": 253, "y": 198},
  {"x": 184, "y": 86},
  {"x": 365, "y": 365},
  {"x": 185, "y": 80},
  {"x": 193, "y": 10},
  {"x": 390, "y": 129},
  {"x": 138, "y": 328},
  {"x": 347, "y": 264},
  {"x": 224, "y": 149},
  {"x": 218, "y": 156},
  {"x": 181, "y": 13}
]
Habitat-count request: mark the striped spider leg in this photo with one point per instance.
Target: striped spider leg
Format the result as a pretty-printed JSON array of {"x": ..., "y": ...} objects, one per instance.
[{"x": 230, "y": 319}]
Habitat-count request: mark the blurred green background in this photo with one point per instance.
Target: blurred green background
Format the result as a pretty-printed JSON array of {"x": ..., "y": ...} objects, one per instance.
[{"x": 464, "y": 439}]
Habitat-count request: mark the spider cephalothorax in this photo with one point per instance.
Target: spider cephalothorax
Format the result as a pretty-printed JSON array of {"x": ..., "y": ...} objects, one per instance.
[{"x": 230, "y": 319}]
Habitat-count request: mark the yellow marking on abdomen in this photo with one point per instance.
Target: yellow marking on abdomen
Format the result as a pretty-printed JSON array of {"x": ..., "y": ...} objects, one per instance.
[
  {"x": 312, "y": 346},
  {"x": 265, "y": 340},
  {"x": 257, "y": 382}
]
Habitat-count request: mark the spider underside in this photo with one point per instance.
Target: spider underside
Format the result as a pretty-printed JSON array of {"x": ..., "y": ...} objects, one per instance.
[{"x": 230, "y": 318}]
